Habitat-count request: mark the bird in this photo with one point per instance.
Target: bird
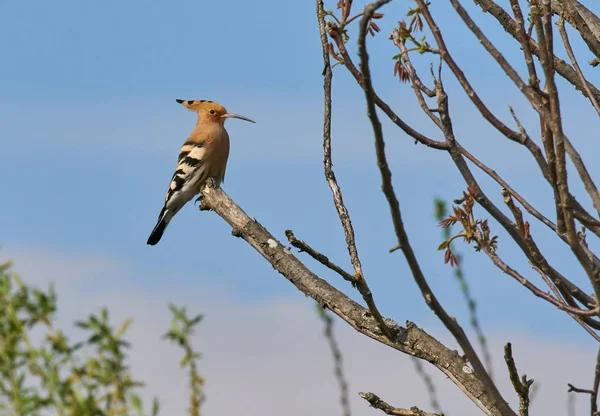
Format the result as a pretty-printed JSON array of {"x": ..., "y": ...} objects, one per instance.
[{"x": 203, "y": 157}]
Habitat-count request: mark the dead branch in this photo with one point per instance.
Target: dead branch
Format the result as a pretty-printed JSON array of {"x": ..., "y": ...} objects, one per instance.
[
  {"x": 410, "y": 340},
  {"x": 403, "y": 242},
  {"x": 377, "y": 403},
  {"x": 582, "y": 20},
  {"x": 510, "y": 26},
  {"x": 321, "y": 258},
  {"x": 521, "y": 385},
  {"x": 360, "y": 281},
  {"x": 569, "y": 49},
  {"x": 593, "y": 392}
]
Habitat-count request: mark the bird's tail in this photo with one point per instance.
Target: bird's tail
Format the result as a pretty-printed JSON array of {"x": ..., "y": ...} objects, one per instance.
[{"x": 159, "y": 229}]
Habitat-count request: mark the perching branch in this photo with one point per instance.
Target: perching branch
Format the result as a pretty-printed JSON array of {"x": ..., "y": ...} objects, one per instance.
[{"x": 409, "y": 340}]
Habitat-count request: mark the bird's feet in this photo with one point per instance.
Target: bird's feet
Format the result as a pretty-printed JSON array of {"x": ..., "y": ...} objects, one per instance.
[
  {"x": 203, "y": 205},
  {"x": 211, "y": 183}
]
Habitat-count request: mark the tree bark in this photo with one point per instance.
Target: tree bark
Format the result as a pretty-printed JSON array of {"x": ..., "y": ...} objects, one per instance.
[{"x": 410, "y": 340}]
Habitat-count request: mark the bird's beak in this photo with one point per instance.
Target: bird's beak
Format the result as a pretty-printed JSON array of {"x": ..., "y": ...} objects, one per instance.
[{"x": 233, "y": 115}]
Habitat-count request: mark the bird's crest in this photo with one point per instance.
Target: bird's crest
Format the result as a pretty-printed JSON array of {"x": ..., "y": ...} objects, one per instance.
[{"x": 197, "y": 105}]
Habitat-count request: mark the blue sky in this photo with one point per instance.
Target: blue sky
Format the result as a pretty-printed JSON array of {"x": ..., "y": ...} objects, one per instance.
[{"x": 91, "y": 133}]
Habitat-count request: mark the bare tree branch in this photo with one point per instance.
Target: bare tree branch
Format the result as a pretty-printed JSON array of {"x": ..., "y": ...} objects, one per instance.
[
  {"x": 321, "y": 258},
  {"x": 410, "y": 340},
  {"x": 403, "y": 242},
  {"x": 569, "y": 49},
  {"x": 530, "y": 250},
  {"x": 593, "y": 392},
  {"x": 585, "y": 176},
  {"x": 333, "y": 32},
  {"x": 521, "y": 385},
  {"x": 530, "y": 286},
  {"x": 582, "y": 19},
  {"x": 509, "y": 25},
  {"x": 551, "y": 119},
  {"x": 530, "y": 209},
  {"x": 377, "y": 403},
  {"x": 360, "y": 281},
  {"x": 440, "y": 214}
]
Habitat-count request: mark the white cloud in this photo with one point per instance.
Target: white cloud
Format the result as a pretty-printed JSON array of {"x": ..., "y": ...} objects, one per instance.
[{"x": 269, "y": 357}]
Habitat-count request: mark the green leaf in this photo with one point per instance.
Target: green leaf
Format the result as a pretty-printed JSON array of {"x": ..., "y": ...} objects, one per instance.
[
  {"x": 155, "y": 407},
  {"x": 136, "y": 402}
]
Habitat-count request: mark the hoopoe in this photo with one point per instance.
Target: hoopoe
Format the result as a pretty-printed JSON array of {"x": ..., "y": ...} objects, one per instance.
[{"x": 203, "y": 155}]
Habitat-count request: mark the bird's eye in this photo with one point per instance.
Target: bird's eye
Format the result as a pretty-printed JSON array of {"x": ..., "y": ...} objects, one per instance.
[{"x": 212, "y": 111}]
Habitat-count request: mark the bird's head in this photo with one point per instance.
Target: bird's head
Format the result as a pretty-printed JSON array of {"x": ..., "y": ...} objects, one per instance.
[{"x": 209, "y": 111}]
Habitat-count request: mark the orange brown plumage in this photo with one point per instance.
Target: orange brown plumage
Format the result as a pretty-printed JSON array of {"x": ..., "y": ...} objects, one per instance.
[{"x": 203, "y": 155}]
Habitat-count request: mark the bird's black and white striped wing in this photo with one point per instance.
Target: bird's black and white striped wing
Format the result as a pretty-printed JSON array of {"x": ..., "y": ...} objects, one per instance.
[{"x": 186, "y": 182}]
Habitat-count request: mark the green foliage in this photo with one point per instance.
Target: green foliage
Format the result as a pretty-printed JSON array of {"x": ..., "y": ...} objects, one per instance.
[
  {"x": 53, "y": 375},
  {"x": 181, "y": 329}
]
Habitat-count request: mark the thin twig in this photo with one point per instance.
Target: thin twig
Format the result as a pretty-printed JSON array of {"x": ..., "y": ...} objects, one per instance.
[
  {"x": 586, "y": 322},
  {"x": 545, "y": 54},
  {"x": 593, "y": 392},
  {"x": 530, "y": 286},
  {"x": 521, "y": 385},
  {"x": 567, "y": 43},
  {"x": 418, "y": 87},
  {"x": 377, "y": 403},
  {"x": 492, "y": 174},
  {"x": 321, "y": 258},
  {"x": 524, "y": 39},
  {"x": 510, "y": 26},
  {"x": 327, "y": 158},
  {"x": 333, "y": 31},
  {"x": 583, "y": 173},
  {"x": 545, "y": 38},
  {"x": 535, "y": 256},
  {"x": 462, "y": 79},
  {"x": 551, "y": 120},
  {"x": 440, "y": 214},
  {"x": 338, "y": 201},
  {"x": 572, "y": 388},
  {"x": 388, "y": 190}
]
